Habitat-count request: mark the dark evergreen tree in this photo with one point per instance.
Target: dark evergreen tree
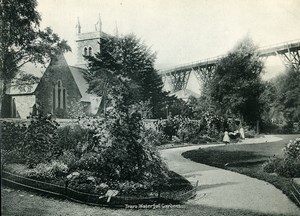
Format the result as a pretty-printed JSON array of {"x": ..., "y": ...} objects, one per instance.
[{"x": 129, "y": 58}]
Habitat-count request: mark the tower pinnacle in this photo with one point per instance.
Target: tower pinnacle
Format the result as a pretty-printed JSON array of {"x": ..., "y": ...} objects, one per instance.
[{"x": 78, "y": 26}]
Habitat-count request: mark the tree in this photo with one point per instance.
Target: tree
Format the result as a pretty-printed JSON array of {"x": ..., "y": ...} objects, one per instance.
[
  {"x": 129, "y": 58},
  {"x": 21, "y": 39},
  {"x": 288, "y": 95},
  {"x": 236, "y": 84}
]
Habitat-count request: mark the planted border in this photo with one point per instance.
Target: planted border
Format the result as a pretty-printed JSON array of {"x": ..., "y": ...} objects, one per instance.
[{"x": 175, "y": 197}]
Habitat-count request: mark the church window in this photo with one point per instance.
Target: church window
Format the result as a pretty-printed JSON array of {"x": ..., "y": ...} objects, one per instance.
[
  {"x": 59, "y": 96},
  {"x": 85, "y": 51},
  {"x": 53, "y": 98},
  {"x": 64, "y": 99},
  {"x": 90, "y": 51}
]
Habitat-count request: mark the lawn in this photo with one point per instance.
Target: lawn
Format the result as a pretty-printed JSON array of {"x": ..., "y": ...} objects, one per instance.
[
  {"x": 30, "y": 204},
  {"x": 246, "y": 159}
]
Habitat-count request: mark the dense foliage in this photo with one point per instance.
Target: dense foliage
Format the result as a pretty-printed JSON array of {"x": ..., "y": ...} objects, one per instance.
[
  {"x": 129, "y": 58},
  {"x": 114, "y": 150},
  {"x": 236, "y": 83},
  {"x": 282, "y": 103},
  {"x": 183, "y": 129},
  {"x": 289, "y": 166}
]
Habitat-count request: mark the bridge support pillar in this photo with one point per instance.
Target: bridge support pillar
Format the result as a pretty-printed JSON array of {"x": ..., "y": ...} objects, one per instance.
[
  {"x": 205, "y": 73},
  {"x": 178, "y": 80},
  {"x": 290, "y": 59}
]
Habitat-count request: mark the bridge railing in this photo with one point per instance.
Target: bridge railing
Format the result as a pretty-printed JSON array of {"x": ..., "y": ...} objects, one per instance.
[
  {"x": 286, "y": 43},
  {"x": 168, "y": 70},
  {"x": 194, "y": 63}
]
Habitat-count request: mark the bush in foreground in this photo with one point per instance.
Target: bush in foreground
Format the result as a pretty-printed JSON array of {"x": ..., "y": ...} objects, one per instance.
[{"x": 289, "y": 166}]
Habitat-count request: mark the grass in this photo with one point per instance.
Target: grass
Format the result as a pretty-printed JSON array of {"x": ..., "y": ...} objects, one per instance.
[
  {"x": 29, "y": 204},
  {"x": 247, "y": 160}
]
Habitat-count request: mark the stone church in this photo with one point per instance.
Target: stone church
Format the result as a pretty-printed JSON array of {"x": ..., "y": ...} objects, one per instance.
[{"x": 62, "y": 90}]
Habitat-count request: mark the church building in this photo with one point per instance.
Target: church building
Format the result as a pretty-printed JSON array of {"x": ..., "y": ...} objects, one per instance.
[{"x": 62, "y": 90}]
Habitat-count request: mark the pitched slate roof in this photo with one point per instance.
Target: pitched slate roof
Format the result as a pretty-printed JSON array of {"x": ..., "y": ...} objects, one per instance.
[
  {"x": 24, "y": 88},
  {"x": 78, "y": 74},
  {"x": 21, "y": 89}
]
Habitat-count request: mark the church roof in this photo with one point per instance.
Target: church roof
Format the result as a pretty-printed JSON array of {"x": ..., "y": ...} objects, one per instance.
[
  {"x": 78, "y": 74},
  {"x": 18, "y": 89},
  {"x": 184, "y": 94},
  {"x": 24, "y": 88}
]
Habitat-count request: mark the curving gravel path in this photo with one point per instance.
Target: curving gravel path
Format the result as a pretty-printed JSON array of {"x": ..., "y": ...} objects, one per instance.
[{"x": 226, "y": 189}]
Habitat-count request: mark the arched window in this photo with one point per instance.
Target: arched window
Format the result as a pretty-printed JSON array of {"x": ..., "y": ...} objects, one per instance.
[
  {"x": 53, "y": 99},
  {"x": 90, "y": 51},
  {"x": 64, "y": 99},
  {"x": 85, "y": 52},
  {"x": 59, "y": 97}
]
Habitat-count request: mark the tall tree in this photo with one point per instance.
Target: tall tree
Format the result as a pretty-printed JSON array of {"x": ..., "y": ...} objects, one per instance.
[
  {"x": 236, "y": 85},
  {"x": 288, "y": 98},
  {"x": 131, "y": 59},
  {"x": 21, "y": 39}
]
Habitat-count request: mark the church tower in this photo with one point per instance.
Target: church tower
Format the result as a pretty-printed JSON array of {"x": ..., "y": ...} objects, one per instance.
[{"x": 88, "y": 43}]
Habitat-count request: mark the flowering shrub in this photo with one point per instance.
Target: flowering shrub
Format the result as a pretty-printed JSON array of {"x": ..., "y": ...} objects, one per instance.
[
  {"x": 169, "y": 126},
  {"x": 48, "y": 171},
  {"x": 189, "y": 129},
  {"x": 68, "y": 157},
  {"x": 204, "y": 130},
  {"x": 292, "y": 149},
  {"x": 154, "y": 137}
]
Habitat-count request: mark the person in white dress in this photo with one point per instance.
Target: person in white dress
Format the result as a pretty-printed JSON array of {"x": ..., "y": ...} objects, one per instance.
[
  {"x": 226, "y": 138},
  {"x": 242, "y": 133}
]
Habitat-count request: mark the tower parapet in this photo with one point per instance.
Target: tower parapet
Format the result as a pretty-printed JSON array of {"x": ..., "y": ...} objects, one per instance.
[{"x": 88, "y": 43}]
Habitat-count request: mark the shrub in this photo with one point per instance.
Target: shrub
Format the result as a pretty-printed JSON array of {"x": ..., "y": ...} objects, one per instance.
[
  {"x": 289, "y": 168},
  {"x": 11, "y": 156},
  {"x": 189, "y": 130},
  {"x": 48, "y": 171},
  {"x": 68, "y": 158},
  {"x": 72, "y": 135},
  {"x": 271, "y": 165},
  {"x": 12, "y": 135},
  {"x": 89, "y": 161},
  {"x": 250, "y": 133},
  {"x": 292, "y": 149},
  {"x": 169, "y": 126},
  {"x": 154, "y": 137},
  {"x": 39, "y": 143}
]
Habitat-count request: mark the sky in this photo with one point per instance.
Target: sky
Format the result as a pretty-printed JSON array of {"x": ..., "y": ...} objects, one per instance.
[{"x": 180, "y": 31}]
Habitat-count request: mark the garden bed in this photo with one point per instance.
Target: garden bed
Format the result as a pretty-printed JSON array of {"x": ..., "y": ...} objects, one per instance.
[{"x": 177, "y": 191}]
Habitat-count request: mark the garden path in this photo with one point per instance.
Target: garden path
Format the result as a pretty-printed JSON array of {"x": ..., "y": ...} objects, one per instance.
[{"x": 226, "y": 189}]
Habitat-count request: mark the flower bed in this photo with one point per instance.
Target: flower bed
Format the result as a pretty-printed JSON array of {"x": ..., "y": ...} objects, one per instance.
[{"x": 182, "y": 191}]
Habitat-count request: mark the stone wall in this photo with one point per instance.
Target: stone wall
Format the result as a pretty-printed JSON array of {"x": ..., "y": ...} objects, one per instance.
[
  {"x": 87, "y": 40},
  {"x": 58, "y": 70},
  {"x": 24, "y": 104}
]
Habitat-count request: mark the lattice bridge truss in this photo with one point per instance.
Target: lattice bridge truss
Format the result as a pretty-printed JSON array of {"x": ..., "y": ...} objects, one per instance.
[{"x": 178, "y": 77}]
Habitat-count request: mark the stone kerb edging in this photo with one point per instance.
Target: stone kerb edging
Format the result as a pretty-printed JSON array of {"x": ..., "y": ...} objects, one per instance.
[{"x": 175, "y": 197}]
